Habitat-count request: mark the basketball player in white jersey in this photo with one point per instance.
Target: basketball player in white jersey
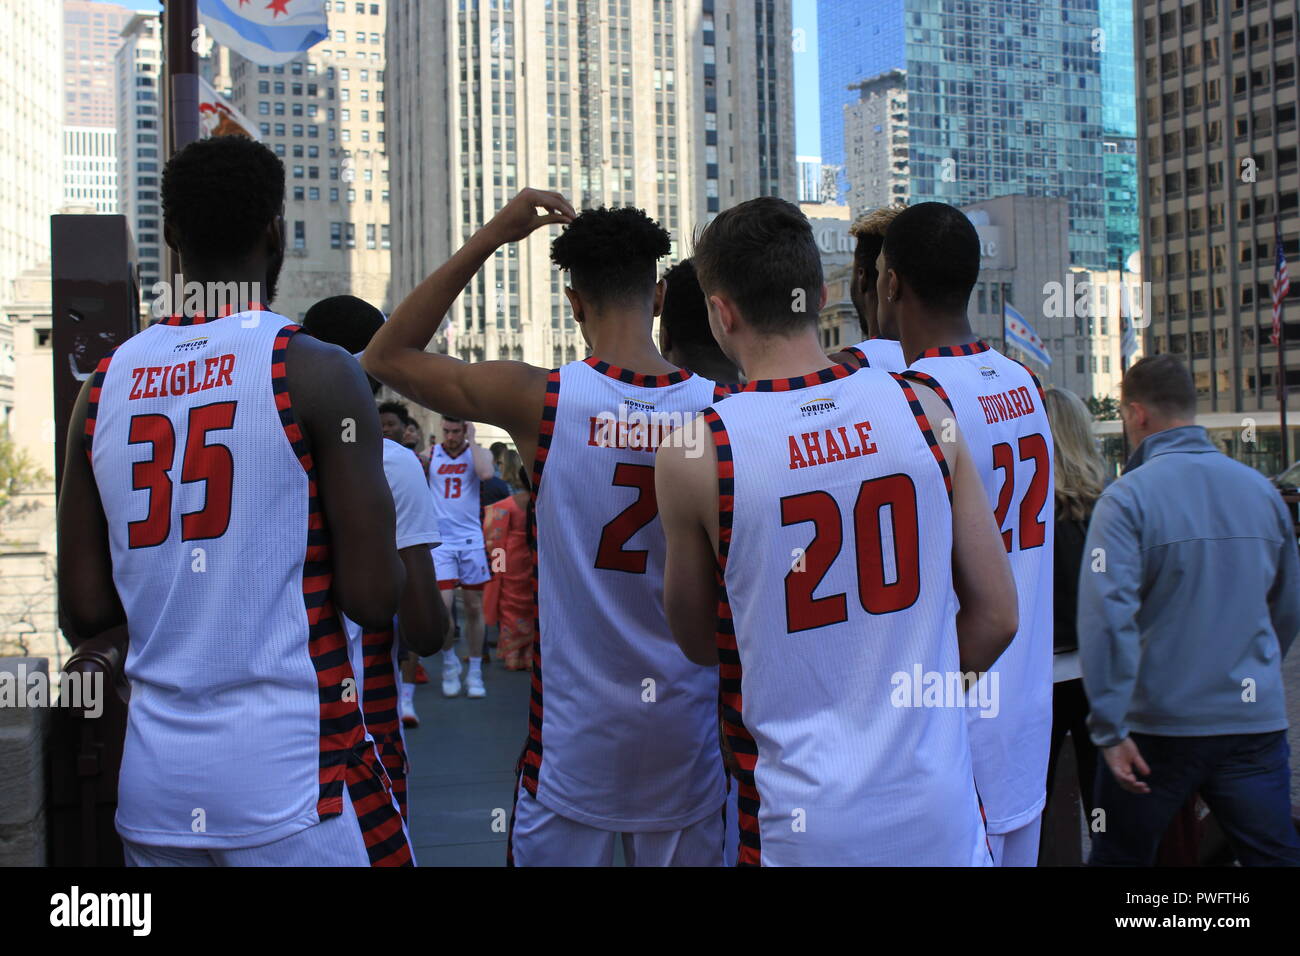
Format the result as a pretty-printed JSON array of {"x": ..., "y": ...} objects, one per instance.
[
  {"x": 214, "y": 507},
  {"x": 457, "y": 467},
  {"x": 927, "y": 268},
  {"x": 879, "y": 347},
  {"x": 844, "y": 531},
  {"x": 422, "y": 620},
  {"x": 622, "y": 737}
]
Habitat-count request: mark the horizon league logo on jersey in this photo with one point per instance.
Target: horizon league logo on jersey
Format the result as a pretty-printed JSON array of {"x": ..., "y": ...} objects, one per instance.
[{"x": 818, "y": 406}]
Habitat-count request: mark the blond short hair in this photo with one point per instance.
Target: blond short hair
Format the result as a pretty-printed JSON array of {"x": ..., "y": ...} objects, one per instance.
[{"x": 874, "y": 223}]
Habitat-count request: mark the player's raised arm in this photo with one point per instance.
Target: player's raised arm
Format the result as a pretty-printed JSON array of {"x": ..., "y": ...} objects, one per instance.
[
  {"x": 981, "y": 574},
  {"x": 90, "y": 602},
  {"x": 506, "y": 394},
  {"x": 483, "y": 464},
  {"x": 337, "y": 410},
  {"x": 686, "y": 487}
]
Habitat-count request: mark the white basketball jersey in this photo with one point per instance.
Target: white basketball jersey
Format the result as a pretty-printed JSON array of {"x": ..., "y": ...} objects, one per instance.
[
  {"x": 837, "y": 627},
  {"x": 999, "y": 408},
  {"x": 880, "y": 353},
  {"x": 241, "y": 729},
  {"x": 454, "y": 483},
  {"x": 625, "y": 736}
]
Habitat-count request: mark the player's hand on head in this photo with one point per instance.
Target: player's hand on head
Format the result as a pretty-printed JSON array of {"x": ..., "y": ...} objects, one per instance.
[{"x": 520, "y": 217}]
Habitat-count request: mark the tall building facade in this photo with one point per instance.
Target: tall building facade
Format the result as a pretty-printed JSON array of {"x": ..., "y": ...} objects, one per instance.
[
  {"x": 324, "y": 115},
  {"x": 141, "y": 144},
  {"x": 681, "y": 107},
  {"x": 92, "y": 32},
  {"x": 875, "y": 143},
  {"x": 1219, "y": 179},
  {"x": 31, "y": 104},
  {"x": 1003, "y": 98},
  {"x": 1114, "y": 45},
  {"x": 90, "y": 167},
  {"x": 856, "y": 39}
]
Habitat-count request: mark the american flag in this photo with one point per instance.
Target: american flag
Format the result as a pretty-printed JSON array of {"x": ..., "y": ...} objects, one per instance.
[{"x": 1281, "y": 286}]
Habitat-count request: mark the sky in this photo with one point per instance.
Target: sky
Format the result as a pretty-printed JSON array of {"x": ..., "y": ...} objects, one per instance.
[
  {"x": 807, "y": 100},
  {"x": 806, "y": 112}
]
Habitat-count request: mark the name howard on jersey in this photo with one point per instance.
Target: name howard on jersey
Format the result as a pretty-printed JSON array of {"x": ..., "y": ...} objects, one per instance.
[
  {"x": 159, "y": 381},
  {"x": 1004, "y": 406},
  {"x": 822, "y": 446}
]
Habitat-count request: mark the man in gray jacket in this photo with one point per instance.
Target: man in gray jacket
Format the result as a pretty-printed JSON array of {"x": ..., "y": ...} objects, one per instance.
[{"x": 1189, "y": 597}]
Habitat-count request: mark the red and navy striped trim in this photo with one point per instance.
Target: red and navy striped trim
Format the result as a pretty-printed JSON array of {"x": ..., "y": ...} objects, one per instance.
[
  {"x": 931, "y": 383},
  {"x": 199, "y": 318},
  {"x": 379, "y": 697},
  {"x": 820, "y": 377},
  {"x": 92, "y": 403},
  {"x": 738, "y": 737},
  {"x": 636, "y": 378},
  {"x": 860, "y": 355},
  {"x": 924, "y": 423},
  {"x": 346, "y": 756},
  {"x": 948, "y": 351},
  {"x": 1037, "y": 384},
  {"x": 530, "y": 761},
  {"x": 721, "y": 391}
]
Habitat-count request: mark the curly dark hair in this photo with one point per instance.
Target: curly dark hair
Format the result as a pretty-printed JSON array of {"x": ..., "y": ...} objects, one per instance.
[
  {"x": 220, "y": 194},
  {"x": 396, "y": 408},
  {"x": 610, "y": 254}
]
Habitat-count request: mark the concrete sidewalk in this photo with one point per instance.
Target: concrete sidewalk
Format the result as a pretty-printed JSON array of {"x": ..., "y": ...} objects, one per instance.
[{"x": 462, "y": 768}]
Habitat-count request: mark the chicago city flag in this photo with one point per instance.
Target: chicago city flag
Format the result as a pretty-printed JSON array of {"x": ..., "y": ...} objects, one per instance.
[
  {"x": 1022, "y": 335},
  {"x": 267, "y": 32}
]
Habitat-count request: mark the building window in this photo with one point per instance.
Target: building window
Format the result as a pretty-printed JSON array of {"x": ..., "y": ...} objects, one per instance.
[
  {"x": 300, "y": 234},
  {"x": 336, "y": 235}
]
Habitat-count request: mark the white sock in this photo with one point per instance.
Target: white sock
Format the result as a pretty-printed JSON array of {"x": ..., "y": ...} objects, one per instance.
[
  {"x": 476, "y": 666},
  {"x": 408, "y": 691},
  {"x": 450, "y": 665}
]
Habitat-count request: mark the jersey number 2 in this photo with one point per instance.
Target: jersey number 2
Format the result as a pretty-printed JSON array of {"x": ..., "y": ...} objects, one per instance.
[
  {"x": 611, "y": 556},
  {"x": 803, "y": 612},
  {"x": 212, "y": 464}
]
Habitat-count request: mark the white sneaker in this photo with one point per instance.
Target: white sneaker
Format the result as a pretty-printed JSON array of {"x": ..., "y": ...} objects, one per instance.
[
  {"x": 406, "y": 707},
  {"x": 451, "y": 680},
  {"x": 474, "y": 684}
]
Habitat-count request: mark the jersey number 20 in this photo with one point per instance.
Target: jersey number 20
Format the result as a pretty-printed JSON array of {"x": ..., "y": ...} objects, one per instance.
[
  {"x": 803, "y": 612},
  {"x": 212, "y": 464}
]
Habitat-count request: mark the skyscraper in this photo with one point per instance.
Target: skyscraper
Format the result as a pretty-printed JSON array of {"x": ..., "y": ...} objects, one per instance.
[
  {"x": 1219, "y": 179},
  {"x": 1003, "y": 98},
  {"x": 875, "y": 143},
  {"x": 682, "y": 107},
  {"x": 92, "y": 32},
  {"x": 140, "y": 141},
  {"x": 856, "y": 39},
  {"x": 324, "y": 115},
  {"x": 1114, "y": 45},
  {"x": 30, "y": 173},
  {"x": 90, "y": 167}
]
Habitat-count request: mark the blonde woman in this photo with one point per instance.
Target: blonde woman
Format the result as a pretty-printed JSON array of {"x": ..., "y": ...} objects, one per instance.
[{"x": 1080, "y": 476}]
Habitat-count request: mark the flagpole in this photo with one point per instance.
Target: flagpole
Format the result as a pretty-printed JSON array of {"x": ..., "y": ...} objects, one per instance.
[
  {"x": 180, "y": 87},
  {"x": 180, "y": 21},
  {"x": 1281, "y": 353}
]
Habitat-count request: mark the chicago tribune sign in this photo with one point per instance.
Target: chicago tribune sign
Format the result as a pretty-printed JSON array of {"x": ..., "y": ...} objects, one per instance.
[{"x": 836, "y": 245}]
